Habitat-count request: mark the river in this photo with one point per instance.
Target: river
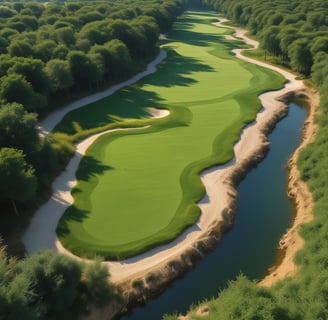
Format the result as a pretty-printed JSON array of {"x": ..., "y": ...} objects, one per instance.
[{"x": 264, "y": 213}]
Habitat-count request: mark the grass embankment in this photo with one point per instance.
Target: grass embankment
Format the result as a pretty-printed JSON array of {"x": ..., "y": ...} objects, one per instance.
[{"x": 138, "y": 189}]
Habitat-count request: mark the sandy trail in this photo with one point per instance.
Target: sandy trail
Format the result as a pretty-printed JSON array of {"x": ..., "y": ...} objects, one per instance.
[
  {"x": 48, "y": 124},
  {"x": 217, "y": 180}
]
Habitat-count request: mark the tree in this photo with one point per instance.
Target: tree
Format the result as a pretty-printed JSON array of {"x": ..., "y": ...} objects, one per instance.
[
  {"x": 62, "y": 24},
  {"x": 44, "y": 50},
  {"x": 53, "y": 8},
  {"x": 65, "y": 36},
  {"x": 8, "y": 32},
  {"x": 120, "y": 59},
  {"x": 148, "y": 29},
  {"x": 317, "y": 19},
  {"x": 319, "y": 44},
  {"x": 15, "y": 292},
  {"x": 6, "y": 12},
  {"x": 270, "y": 40},
  {"x": 33, "y": 72},
  {"x": 276, "y": 19},
  {"x": 133, "y": 37},
  {"x": 96, "y": 279},
  {"x": 18, "y": 128},
  {"x": 30, "y": 22},
  {"x": 243, "y": 299},
  {"x": 20, "y": 49},
  {"x": 106, "y": 55},
  {"x": 18, "y": 182},
  {"x": 36, "y": 8},
  {"x": 300, "y": 56},
  {"x": 6, "y": 62},
  {"x": 320, "y": 68},
  {"x": 15, "y": 88},
  {"x": 90, "y": 16},
  {"x": 55, "y": 279},
  {"x": 60, "y": 52},
  {"x": 85, "y": 72},
  {"x": 83, "y": 45},
  {"x": 46, "y": 285},
  {"x": 3, "y": 45},
  {"x": 237, "y": 12},
  {"x": 59, "y": 74},
  {"x": 94, "y": 33},
  {"x": 73, "y": 6},
  {"x": 287, "y": 35}
]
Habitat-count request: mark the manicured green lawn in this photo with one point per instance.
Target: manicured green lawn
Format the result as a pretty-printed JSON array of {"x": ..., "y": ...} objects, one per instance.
[{"x": 140, "y": 188}]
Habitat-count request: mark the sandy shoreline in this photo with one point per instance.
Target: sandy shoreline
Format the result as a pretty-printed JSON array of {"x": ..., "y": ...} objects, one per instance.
[
  {"x": 298, "y": 192},
  {"x": 217, "y": 211}
]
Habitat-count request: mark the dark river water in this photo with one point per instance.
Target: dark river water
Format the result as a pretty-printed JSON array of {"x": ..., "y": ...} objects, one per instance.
[{"x": 250, "y": 247}]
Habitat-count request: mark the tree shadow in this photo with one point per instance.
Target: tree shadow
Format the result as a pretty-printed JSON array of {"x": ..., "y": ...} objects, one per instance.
[
  {"x": 196, "y": 38},
  {"x": 130, "y": 102},
  {"x": 90, "y": 167},
  {"x": 176, "y": 70},
  {"x": 71, "y": 214}
]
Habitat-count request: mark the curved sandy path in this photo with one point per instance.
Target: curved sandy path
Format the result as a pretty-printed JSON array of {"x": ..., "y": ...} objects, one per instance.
[
  {"x": 41, "y": 233},
  {"x": 48, "y": 124}
]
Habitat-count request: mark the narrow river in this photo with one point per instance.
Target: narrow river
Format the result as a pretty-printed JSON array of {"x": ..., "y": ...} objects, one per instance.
[{"x": 250, "y": 247}]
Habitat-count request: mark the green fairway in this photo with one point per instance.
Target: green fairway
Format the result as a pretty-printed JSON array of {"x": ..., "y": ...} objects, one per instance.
[{"x": 137, "y": 189}]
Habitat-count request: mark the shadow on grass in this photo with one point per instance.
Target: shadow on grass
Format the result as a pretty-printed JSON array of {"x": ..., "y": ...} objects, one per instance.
[
  {"x": 71, "y": 214},
  {"x": 196, "y": 38},
  {"x": 90, "y": 167},
  {"x": 130, "y": 102},
  {"x": 175, "y": 70}
]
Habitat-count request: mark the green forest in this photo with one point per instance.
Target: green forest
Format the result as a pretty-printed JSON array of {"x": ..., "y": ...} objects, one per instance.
[{"x": 55, "y": 52}]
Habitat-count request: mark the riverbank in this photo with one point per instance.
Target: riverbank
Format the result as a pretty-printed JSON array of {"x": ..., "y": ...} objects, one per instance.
[
  {"x": 297, "y": 190},
  {"x": 299, "y": 193}
]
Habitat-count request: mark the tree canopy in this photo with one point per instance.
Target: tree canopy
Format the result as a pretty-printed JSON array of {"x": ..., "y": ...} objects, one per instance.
[
  {"x": 18, "y": 181},
  {"x": 34, "y": 35},
  {"x": 48, "y": 285}
]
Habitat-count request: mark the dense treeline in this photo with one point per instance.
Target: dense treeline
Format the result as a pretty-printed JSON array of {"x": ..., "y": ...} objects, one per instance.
[
  {"x": 296, "y": 32},
  {"x": 51, "y": 286},
  {"x": 51, "y": 51}
]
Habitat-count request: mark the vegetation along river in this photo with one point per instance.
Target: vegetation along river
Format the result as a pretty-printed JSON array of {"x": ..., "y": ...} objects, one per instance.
[{"x": 250, "y": 247}]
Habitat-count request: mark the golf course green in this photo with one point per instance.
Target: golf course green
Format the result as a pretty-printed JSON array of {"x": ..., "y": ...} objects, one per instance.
[{"x": 139, "y": 188}]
